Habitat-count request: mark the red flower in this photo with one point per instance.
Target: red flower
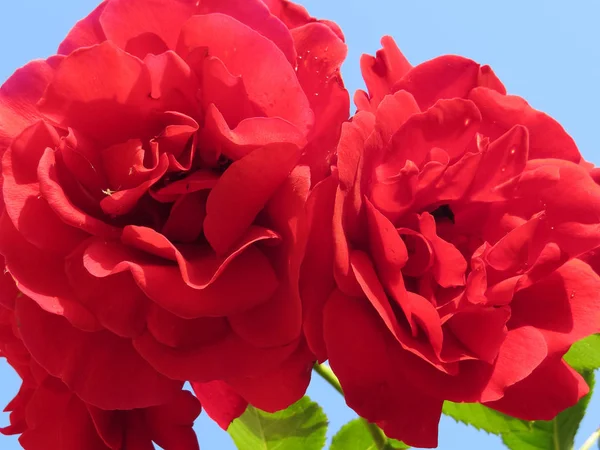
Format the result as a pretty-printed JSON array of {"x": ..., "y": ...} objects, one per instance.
[
  {"x": 154, "y": 179},
  {"x": 48, "y": 415},
  {"x": 459, "y": 214}
]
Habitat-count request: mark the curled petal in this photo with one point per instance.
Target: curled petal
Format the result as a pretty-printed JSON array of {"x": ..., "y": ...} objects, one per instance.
[
  {"x": 22, "y": 197},
  {"x": 249, "y": 134},
  {"x": 202, "y": 286},
  {"x": 381, "y": 73},
  {"x": 547, "y": 138},
  {"x": 54, "y": 194}
]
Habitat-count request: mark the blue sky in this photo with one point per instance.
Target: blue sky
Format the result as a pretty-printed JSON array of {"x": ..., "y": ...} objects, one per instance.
[{"x": 544, "y": 50}]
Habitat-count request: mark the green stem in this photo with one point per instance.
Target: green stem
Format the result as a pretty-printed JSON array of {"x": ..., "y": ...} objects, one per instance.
[
  {"x": 587, "y": 445},
  {"x": 379, "y": 437},
  {"x": 328, "y": 375}
]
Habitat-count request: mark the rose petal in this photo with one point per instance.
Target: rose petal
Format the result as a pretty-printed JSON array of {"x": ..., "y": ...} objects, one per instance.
[
  {"x": 85, "y": 33},
  {"x": 390, "y": 255},
  {"x": 292, "y": 14},
  {"x": 421, "y": 256},
  {"x": 279, "y": 321},
  {"x": 427, "y": 349},
  {"x": 481, "y": 330},
  {"x": 123, "y": 201},
  {"x": 178, "y": 140},
  {"x": 547, "y": 138},
  {"x": 316, "y": 277},
  {"x": 22, "y": 198},
  {"x": 322, "y": 54},
  {"x": 186, "y": 218},
  {"x": 520, "y": 354},
  {"x": 198, "y": 181},
  {"x": 243, "y": 190},
  {"x": 536, "y": 397},
  {"x": 19, "y": 96},
  {"x": 517, "y": 248},
  {"x": 238, "y": 285},
  {"x": 383, "y": 71},
  {"x": 206, "y": 363},
  {"x": 62, "y": 205},
  {"x": 504, "y": 159},
  {"x": 222, "y": 89},
  {"x": 171, "y": 424},
  {"x": 563, "y": 306},
  {"x": 372, "y": 388},
  {"x": 487, "y": 78},
  {"x": 450, "y": 266},
  {"x": 393, "y": 112},
  {"x": 40, "y": 276},
  {"x": 445, "y": 77},
  {"x": 256, "y": 15},
  {"x": 107, "y": 109},
  {"x": 124, "y": 165},
  {"x": 8, "y": 288},
  {"x": 280, "y": 388},
  {"x": 220, "y": 402},
  {"x": 56, "y": 416},
  {"x": 279, "y": 96},
  {"x": 88, "y": 362},
  {"x": 123, "y": 20},
  {"x": 449, "y": 124},
  {"x": 249, "y": 134},
  {"x": 173, "y": 83},
  {"x": 176, "y": 332},
  {"x": 342, "y": 271},
  {"x": 198, "y": 265},
  {"x": 116, "y": 301},
  {"x": 83, "y": 161}
]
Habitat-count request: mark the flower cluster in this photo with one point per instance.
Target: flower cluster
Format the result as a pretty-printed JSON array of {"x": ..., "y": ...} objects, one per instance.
[{"x": 183, "y": 199}]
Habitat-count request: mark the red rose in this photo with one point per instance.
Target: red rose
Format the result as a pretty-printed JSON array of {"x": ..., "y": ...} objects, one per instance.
[
  {"x": 154, "y": 179},
  {"x": 459, "y": 214},
  {"x": 48, "y": 415}
]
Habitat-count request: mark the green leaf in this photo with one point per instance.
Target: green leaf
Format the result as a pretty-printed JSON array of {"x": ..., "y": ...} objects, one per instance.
[
  {"x": 557, "y": 434},
  {"x": 585, "y": 354},
  {"x": 355, "y": 436},
  {"x": 302, "y": 426},
  {"x": 484, "y": 418}
]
